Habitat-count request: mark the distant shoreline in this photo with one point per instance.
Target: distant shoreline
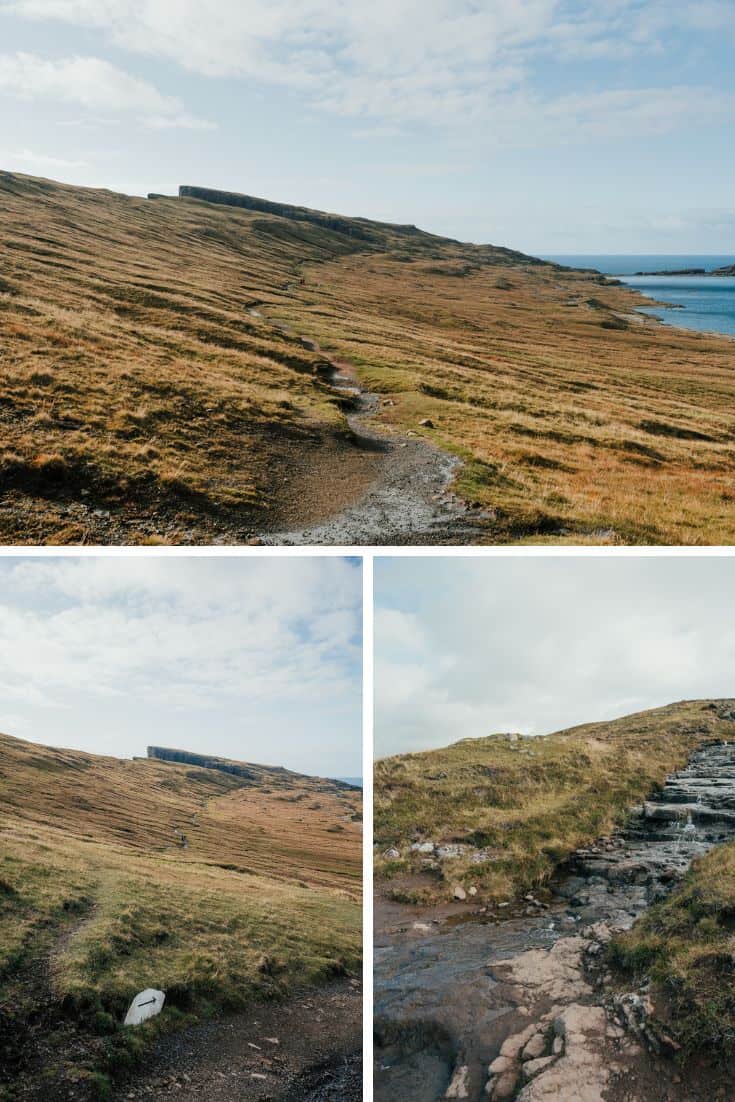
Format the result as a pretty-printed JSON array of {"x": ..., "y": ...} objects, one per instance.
[{"x": 728, "y": 271}]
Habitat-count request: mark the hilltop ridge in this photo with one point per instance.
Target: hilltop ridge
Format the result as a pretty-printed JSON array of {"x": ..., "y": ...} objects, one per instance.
[{"x": 276, "y": 775}]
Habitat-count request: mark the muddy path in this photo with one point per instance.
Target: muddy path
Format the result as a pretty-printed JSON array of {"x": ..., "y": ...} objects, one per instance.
[
  {"x": 307, "y": 1049},
  {"x": 389, "y": 489},
  {"x": 517, "y": 1002}
]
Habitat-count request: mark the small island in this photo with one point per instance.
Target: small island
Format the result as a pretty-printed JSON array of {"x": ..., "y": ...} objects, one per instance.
[{"x": 727, "y": 270}]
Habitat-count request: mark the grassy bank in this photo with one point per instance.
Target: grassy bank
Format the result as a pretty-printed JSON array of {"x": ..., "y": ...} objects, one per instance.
[
  {"x": 522, "y": 805},
  {"x": 121, "y": 875},
  {"x": 684, "y": 945}
]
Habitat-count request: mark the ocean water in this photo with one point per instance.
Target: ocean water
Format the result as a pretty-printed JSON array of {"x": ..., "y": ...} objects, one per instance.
[{"x": 705, "y": 303}]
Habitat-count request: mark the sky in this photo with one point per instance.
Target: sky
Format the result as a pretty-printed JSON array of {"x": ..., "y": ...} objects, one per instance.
[
  {"x": 257, "y": 659},
  {"x": 552, "y": 126},
  {"x": 468, "y": 647}
]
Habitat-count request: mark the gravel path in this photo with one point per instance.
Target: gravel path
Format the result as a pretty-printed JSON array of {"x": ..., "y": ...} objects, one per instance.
[
  {"x": 307, "y": 1049},
  {"x": 408, "y": 499}
]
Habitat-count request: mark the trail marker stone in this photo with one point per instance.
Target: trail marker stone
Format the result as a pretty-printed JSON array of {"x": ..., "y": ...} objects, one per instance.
[{"x": 144, "y": 1006}]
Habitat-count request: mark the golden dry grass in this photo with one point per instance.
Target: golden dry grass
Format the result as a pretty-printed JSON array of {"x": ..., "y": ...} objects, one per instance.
[
  {"x": 134, "y": 378},
  {"x": 529, "y": 802},
  {"x": 118, "y": 875},
  {"x": 580, "y": 422},
  {"x": 136, "y": 381}
]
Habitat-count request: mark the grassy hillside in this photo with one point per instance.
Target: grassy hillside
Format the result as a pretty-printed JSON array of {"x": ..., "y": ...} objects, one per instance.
[
  {"x": 527, "y": 803},
  {"x": 579, "y": 422},
  {"x": 142, "y": 399},
  {"x": 119, "y": 875}
]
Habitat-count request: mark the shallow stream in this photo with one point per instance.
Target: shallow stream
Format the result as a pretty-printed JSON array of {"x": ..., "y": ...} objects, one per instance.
[{"x": 443, "y": 999}]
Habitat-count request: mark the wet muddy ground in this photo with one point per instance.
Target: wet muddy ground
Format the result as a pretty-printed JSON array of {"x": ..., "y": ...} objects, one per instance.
[
  {"x": 406, "y": 497},
  {"x": 524, "y": 990}
]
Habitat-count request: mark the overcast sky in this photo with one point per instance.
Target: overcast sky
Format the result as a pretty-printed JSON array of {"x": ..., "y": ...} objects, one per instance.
[
  {"x": 549, "y": 125},
  {"x": 252, "y": 658},
  {"x": 466, "y": 647}
]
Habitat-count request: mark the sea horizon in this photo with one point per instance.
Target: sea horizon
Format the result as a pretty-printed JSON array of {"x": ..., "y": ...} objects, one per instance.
[{"x": 705, "y": 303}]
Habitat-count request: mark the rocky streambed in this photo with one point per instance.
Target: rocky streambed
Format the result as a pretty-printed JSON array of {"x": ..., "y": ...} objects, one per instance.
[{"x": 518, "y": 1003}]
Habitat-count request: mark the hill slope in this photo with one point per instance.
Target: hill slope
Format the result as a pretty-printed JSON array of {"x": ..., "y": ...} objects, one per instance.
[
  {"x": 143, "y": 399},
  {"x": 118, "y": 875},
  {"x": 520, "y": 806}
]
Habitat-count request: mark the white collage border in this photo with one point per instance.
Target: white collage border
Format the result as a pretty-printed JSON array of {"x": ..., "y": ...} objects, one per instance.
[{"x": 367, "y": 555}]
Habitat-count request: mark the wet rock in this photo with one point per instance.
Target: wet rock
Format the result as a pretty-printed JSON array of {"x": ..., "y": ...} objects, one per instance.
[
  {"x": 535, "y": 1047},
  {"x": 582, "y": 1073},
  {"x": 532, "y": 1068},
  {"x": 502, "y": 1064},
  {"x": 459, "y": 1086},
  {"x": 502, "y": 1087},
  {"x": 556, "y": 973},
  {"x": 514, "y": 1045}
]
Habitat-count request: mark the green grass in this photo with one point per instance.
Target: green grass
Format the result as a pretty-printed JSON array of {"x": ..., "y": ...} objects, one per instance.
[
  {"x": 99, "y": 899},
  {"x": 529, "y": 803},
  {"x": 685, "y": 945}
]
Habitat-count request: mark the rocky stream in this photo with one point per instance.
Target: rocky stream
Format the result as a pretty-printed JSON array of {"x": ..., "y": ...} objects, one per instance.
[{"x": 517, "y": 1002}]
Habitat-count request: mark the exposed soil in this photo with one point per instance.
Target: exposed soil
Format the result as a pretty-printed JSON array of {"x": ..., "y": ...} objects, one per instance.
[
  {"x": 307, "y": 1049},
  {"x": 388, "y": 489},
  {"x": 460, "y": 991}
]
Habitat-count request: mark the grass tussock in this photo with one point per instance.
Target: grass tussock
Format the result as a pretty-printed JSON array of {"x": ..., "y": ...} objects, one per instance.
[
  {"x": 120, "y": 875},
  {"x": 686, "y": 946},
  {"x": 528, "y": 803}
]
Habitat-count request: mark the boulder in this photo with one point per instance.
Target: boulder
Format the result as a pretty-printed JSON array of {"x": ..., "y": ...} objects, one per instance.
[
  {"x": 503, "y": 1087},
  {"x": 458, "y": 1086},
  {"x": 534, "y": 1048},
  {"x": 532, "y": 1068},
  {"x": 513, "y": 1046},
  {"x": 501, "y": 1064}
]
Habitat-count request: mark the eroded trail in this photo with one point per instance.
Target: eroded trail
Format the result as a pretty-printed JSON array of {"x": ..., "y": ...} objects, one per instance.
[
  {"x": 477, "y": 1005},
  {"x": 305, "y": 1050},
  {"x": 401, "y": 486}
]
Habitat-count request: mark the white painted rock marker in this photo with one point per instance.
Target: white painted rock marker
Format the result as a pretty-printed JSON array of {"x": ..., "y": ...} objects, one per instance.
[{"x": 144, "y": 1006}]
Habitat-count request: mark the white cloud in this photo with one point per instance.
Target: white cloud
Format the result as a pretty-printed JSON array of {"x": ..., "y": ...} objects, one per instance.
[
  {"x": 465, "y": 648},
  {"x": 27, "y": 157},
  {"x": 270, "y": 642},
  {"x": 449, "y": 63},
  {"x": 94, "y": 84}
]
